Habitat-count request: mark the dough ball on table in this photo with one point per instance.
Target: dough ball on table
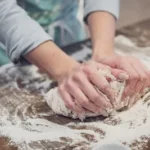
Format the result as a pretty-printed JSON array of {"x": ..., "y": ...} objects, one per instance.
[{"x": 56, "y": 103}]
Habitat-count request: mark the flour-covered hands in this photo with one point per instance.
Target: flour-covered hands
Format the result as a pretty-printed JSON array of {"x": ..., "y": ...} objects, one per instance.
[
  {"x": 139, "y": 75},
  {"x": 78, "y": 90}
]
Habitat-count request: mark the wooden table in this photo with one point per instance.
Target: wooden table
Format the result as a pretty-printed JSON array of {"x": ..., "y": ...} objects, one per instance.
[{"x": 28, "y": 103}]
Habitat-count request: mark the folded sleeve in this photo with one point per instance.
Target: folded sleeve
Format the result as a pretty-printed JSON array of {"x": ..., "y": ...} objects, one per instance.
[
  {"x": 110, "y": 6},
  {"x": 18, "y": 32}
]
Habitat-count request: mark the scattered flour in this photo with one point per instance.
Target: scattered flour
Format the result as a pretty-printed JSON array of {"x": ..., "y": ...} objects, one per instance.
[
  {"x": 123, "y": 127},
  {"x": 56, "y": 103}
]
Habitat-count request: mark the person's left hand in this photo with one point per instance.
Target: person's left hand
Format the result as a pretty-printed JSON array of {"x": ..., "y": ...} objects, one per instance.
[{"x": 139, "y": 75}]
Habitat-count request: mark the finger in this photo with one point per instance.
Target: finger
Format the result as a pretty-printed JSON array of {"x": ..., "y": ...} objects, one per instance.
[
  {"x": 147, "y": 83},
  {"x": 126, "y": 101},
  {"x": 80, "y": 97},
  {"x": 131, "y": 82},
  {"x": 144, "y": 74},
  {"x": 141, "y": 84},
  {"x": 97, "y": 65},
  {"x": 78, "y": 107},
  {"x": 68, "y": 100},
  {"x": 103, "y": 67},
  {"x": 91, "y": 92},
  {"x": 133, "y": 100},
  {"x": 130, "y": 88},
  {"x": 100, "y": 82},
  {"x": 109, "y": 106},
  {"x": 119, "y": 74},
  {"x": 103, "y": 112}
]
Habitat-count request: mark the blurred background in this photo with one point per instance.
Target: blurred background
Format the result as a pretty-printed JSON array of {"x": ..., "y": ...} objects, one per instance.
[{"x": 63, "y": 20}]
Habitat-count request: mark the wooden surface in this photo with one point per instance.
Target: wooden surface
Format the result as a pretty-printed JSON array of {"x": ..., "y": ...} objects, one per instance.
[{"x": 28, "y": 104}]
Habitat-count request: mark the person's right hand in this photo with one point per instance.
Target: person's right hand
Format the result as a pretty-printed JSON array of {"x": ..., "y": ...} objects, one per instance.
[{"x": 78, "y": 92}]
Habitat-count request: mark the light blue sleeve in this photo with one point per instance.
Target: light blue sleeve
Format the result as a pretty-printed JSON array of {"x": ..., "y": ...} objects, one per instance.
[
  {"x": 110, "y": 6},
  {"x": 18, "y": 32}
]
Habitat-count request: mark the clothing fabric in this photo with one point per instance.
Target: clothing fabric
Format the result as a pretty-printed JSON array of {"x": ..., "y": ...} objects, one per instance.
[
  {"x": 20, "y": 34},
  {"x": 58, "y": 18}
]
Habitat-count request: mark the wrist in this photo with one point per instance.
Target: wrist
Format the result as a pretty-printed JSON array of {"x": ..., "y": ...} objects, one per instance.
[
  {"x": 62, "y": 72},
  {"x": 52, "y": 60},
  {"x": 102, "y": 27},
  {"x": 100, "y": 52}
]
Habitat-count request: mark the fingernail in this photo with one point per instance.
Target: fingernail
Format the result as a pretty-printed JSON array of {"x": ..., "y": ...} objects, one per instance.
[
  {"x": 126, "y": 101},
  {"x": 75, "y": 115},
  {"x": 81, "y": 117},
  {"x": 137, "y": 96},
  {"x": 109, "y": 110},
  {"x": 105, "y": 113},
  {"x": 122, "y": 104},
  {"x": 109, "y": 106},
  {"x": 113, "y": 95},
  {"x": 115, "y": 105},
  {"x": 113, "y": 100},
  {"x": 123, "y": 76},
  {"x": 131, "y": 101}
]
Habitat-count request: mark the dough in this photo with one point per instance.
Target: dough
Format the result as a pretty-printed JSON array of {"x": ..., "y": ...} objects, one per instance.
[{"x": 57, "y": 105}]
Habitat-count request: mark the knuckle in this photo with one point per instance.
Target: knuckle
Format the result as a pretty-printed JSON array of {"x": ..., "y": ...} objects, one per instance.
[
  {"x": 61, "y": 88},
  {"x": 68, "y": 83},
  {"x": 105, "y": 87},
  {"x": 96, "y": 98},
  {"x": 70, "y": 106},
  {"x": 77, "y": 76},
  {"x": 87, "y": 68},
  {"x": 84, "y": 102}
]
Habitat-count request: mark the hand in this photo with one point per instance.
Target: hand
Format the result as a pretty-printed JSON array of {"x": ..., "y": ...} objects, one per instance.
[
  {"x": 139, "y": 75},
  {"x": 78, "y": 92}
]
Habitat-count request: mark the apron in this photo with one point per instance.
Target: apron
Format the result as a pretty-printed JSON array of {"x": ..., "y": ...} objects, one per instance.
[{"x": 57, "y": 17}]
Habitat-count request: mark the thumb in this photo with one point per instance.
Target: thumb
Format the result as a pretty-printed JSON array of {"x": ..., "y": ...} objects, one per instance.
[{"x": 119, "y": 74}]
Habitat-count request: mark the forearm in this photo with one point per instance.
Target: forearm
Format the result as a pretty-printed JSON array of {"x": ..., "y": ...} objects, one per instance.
[
  {"x": 102, "y": 29},
  {"x": 18, "y": 32},
  {"x": 52, "y": 60},
  {"x": 23, "y": 37}
]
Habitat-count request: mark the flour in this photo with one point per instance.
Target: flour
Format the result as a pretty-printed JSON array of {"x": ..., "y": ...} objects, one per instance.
[
  {"x": 31, "y": 131},
  {"x": 37, "y": 129},
  {"x": 56, "y": 103}
]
